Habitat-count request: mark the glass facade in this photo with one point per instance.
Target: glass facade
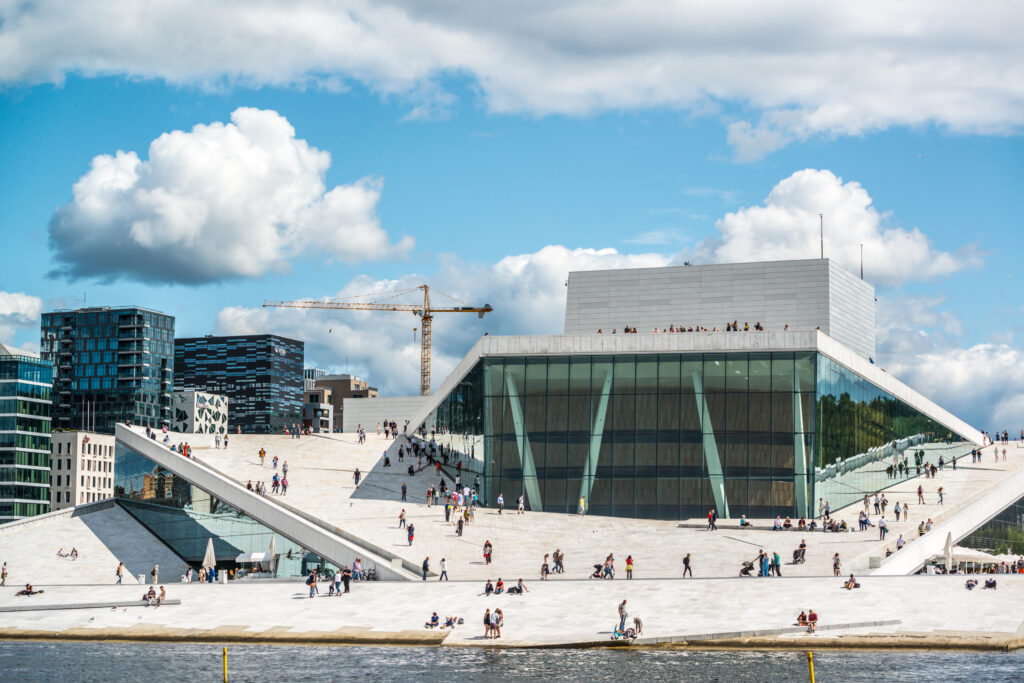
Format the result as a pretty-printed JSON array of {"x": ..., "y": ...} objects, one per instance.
[
  {"x": 1001, "y": 535},
  {"x": 185, "y": 517},
  {"x": 110, "y": 365},
  {"x": 261, "y": 375},
  {"x": 673, "y": 436},
  {"x": 25, "y": 385}
]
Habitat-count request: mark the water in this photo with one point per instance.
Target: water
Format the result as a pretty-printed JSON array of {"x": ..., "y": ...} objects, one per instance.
[{"x": 153, "y": 663}]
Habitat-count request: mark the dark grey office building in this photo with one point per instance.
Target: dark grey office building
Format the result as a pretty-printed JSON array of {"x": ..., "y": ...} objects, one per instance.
[
  {"x": 109, "y": 365},
  {"x": 260, "y": 374}
]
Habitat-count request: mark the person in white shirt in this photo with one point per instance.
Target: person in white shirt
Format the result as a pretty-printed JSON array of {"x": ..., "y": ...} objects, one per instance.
[{"x": 444, "y": 571}]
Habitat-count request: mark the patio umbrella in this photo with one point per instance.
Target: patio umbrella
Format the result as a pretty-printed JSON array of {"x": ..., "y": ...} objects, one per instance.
[
  {"x": 209, "y": 559},
  {"x": 272, "y": 553},
  {"x": 948, "y": 550}
]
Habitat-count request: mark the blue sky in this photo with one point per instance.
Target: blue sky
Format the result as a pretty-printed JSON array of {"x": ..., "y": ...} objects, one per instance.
[{"x": 478, "y": 163}]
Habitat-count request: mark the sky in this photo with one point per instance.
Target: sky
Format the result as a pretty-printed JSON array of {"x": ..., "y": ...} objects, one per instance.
[{"x": 200, "y": 158}]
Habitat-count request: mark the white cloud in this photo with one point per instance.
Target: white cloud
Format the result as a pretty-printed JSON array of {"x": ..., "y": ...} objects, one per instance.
[
  {"x": 527, "y": 292},
  {"x": 786, "y": 226},
  {"x": 799, "y": 70},
  {"x": 17, "y": 310},
  {"x": 921, "y": 343},
  {"x": 222, "y": 201}
]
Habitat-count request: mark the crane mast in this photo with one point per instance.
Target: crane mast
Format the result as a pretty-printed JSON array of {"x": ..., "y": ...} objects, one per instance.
[{"x": 425, "y": 312}]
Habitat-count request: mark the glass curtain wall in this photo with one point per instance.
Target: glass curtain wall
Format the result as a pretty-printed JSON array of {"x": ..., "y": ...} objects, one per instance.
[
  {"x": 1001, "y": 535},
  {"x": 673, "y": 436},
  {"x": 185, "y": 517},
  {"x": 870, "y": 440}
]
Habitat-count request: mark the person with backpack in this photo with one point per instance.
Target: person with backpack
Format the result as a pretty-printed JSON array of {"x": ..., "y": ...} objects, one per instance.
[{"x": 311, "y": 582}]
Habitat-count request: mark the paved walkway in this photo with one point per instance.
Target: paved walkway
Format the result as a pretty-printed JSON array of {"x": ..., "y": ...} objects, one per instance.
[
  {"x": 103, "y": 534},
  {"x": 321, "y": 484},
  {"x": 565, "y": 612}
]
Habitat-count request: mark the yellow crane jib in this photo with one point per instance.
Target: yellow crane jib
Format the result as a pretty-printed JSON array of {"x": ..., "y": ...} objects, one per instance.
[{"x": 424, "y": 311}]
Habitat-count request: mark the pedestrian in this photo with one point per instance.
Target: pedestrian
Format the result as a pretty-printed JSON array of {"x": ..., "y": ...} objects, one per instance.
[
  {"x": 544, "y": 569},
  {"x": 274, "y": 461},
  {"x": 623, "y": 614},
  {"x": 501, "y": 503},
  {"x": 712, "y": 518},
  {"x": 836, "y": 565},
  {"x": 776, "y": 564},
  {"x": 488, "y": 549},
  {"x": 412, "y": 532},
  {"x": 311, "y": 582},
  {"x": 401, "y": 518},
  {"x": 920, "y": 495},
  {"x": 119, "y": 572},
  {"x": 687, "y": 566},
  {"x": 426, "y": 566},
  {"x": 355, "y": 477},
  {"x": 3, "y": 576},
  {"x": 458, "y": 526},
  {"x": 403, "y": 491},
  {"x": 346, "y": 577},
  {"x": 521, "y": 506},
  {"x": 940, "y": 495},
  {"x": 284, "y": 468},
  {"x": 444, "y": 570},
  {"x": 487, "y": 623},
  {"x": 629, "y": 566},
  {"x": 155, "y": 573},
  {"x": 225, "y": 441},
  {"x": 263, "y": 454}
]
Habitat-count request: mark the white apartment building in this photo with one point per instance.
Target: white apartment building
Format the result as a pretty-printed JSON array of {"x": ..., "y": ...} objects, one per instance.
[{"x": 81, "y": 468}]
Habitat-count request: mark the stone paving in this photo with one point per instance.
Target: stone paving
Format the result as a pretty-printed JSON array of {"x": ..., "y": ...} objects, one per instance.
[
  {"x": 551, "y": 613},
  {"x": 321, "y": 484},
  {"x": 103, "y": 537}
]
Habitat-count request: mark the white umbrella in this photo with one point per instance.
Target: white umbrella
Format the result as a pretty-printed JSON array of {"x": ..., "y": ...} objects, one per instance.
[
  {"x": 948, "y": 550},
  {"x": 273, "y": 552},
  {"x": 209, "y": 559}
]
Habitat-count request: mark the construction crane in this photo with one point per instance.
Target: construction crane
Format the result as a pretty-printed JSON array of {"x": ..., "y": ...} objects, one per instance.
[{"x": 425, "y": 312}]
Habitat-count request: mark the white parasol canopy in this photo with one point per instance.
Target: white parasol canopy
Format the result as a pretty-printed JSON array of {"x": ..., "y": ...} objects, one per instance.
[{"x": 209, "y": 559}]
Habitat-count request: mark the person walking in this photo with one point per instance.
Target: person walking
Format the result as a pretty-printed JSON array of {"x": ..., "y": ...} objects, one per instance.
[
  {"x": 836, "y": 565},
  {"x": 629, "y": 567},
  {"x": 426, "y": 567},
  {"x": 687, "y": 566},
  {"x": 521, "y": 506},
  {"x": 501, "y": 503},
  {"x": 263, "y": 454},
  {"x": 444, "y": 571},
  {"x": 119, "y": 572},
  {"x": 311, "y": 582},
  {"x": 3, "y": 575},
  {"x": 284, "y": 468},
  {"x": 488, "y": 549},
  {"x": 404, "y": 490},
  {"x": 355, "y": 477},
  {"x": 155, "y": 573},
  {"x": 940, "y": 495},
  {"x": 412, "y": 532},
  {"x": 920, "y": 495},
  {"x": 712, "y": 518},
  {"x": 776, "y": 564},
  {"x": 401, "y": 518}
]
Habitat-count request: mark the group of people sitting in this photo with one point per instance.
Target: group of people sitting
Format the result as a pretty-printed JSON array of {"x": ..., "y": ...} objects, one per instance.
[
  {"x": 971, "y": 583},
  {"x": 449, "y": 622},
  {"x": 787, "y": 524},
  {"x": 808, "y": 619},
  {"x": 151, "y": 597},
  {"x": 73, "y": 555},
  {"x": 499, "y": 588}
]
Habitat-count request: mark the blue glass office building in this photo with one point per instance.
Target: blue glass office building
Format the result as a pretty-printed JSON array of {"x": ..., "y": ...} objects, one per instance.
[
  {"x": 110, "y": 365},
  {"x": 25, "y": 382},
  {"x": 260, "y": 374}
]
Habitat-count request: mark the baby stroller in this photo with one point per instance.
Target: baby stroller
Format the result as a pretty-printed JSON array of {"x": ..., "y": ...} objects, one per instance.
[
  {"x": 798, "y": 556},
  {"x": 630, "y": 633},
  {"x": 748, "y": 567},
  {"x": 597, "y": 571}
]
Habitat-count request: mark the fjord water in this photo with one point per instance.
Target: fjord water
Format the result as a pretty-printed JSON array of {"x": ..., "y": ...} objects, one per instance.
[{"x": 157, "y": 662}]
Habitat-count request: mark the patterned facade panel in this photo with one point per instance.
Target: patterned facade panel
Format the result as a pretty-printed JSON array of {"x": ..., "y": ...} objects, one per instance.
[{"x": 197, "y": 412}]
